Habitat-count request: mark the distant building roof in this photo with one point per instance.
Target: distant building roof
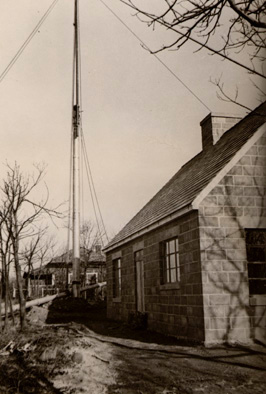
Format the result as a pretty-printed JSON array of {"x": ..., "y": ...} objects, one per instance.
[
  {"x": 87, "y": 257},
  {"x": 193, "y": 177}
]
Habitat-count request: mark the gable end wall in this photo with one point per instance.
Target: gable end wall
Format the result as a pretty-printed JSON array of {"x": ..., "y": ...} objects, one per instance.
[{"x": 236, "y": 203}]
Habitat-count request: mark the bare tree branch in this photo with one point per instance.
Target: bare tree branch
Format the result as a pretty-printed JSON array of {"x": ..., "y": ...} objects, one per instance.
[
  {"x": 240, "y": 24},
  {"x": 245, "y": 15},
  {"x": 19, "y": 216}
]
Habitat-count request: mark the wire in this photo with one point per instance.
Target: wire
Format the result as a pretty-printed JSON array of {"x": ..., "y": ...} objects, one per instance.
[
  {"x": 94, "y": 198},
  {"x": 80, "y": 146},
  {"x": 92, "y": 189},
  {"x": 70, "y": 199},
  {"x": 71, "y": 157},
  {"x": 154, "y": 54},
  {"x": 201, "y": 44},
  {"x": 26, "y": 43}
]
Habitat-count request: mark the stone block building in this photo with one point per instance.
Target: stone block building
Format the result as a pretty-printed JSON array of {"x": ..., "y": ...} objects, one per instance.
[{"x": 193, "y": 260}]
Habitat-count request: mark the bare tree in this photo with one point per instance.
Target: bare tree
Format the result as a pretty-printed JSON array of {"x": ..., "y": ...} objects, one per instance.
[
  {"x": 89, "y": 235},
  {"x": 29, "y": 256},
  {"x": 89, "y": 238},
  {"x": 6, "y": 260},
  {"x": 223, "y": 27},
  {"x": 45, "y": 254},
  {"x": 20, "y": 215},
  {"x": 1, "y": 286},
  {"x": 35, "y": 254}
]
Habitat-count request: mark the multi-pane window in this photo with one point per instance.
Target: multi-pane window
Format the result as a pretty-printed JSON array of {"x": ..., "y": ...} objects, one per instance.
[
  {"x": 117, "y": 278},
  {"x": 171, "y": 267},
  {"x": 256, "y": 256}
]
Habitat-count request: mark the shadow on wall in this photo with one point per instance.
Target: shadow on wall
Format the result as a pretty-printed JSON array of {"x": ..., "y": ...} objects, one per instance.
[{"x": 234, "y": 262}]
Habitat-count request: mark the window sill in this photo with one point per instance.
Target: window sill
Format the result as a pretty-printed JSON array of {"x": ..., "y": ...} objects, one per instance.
[
  {"x": 259, "y": 299},
  {"x": 117, "y": 299},
  {"x": 170, "y": 286}
]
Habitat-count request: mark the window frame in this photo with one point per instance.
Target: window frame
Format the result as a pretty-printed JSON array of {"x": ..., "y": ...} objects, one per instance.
[
  {"x": 255, "y": 263},
  {"x": 170, "y": 263}
]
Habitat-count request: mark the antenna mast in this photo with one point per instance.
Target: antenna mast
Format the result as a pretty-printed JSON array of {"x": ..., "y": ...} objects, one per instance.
[{"x": 76, "y": 176}]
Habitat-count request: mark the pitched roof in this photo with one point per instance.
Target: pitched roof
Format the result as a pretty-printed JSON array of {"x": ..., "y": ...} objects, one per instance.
[
  {"x": 86, "y": 257},
  {"x": 193, "y": 177}
]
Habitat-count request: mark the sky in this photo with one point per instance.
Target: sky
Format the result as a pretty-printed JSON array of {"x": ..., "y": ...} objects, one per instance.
[{"x": 140, "y": 123}]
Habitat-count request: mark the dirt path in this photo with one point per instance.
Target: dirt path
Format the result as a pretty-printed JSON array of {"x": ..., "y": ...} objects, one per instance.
[
  {"x": 141, "y": 368},
  {"x": 98, "y": 365},
  {"x": 68, "y": 357},
  {"x": 170, "y": 367},
  {"x": 163, "y": 373}
]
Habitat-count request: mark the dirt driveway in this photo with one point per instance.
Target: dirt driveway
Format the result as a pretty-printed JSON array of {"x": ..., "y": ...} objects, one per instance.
[
  {"x": 66, "y": 356},
  {"x": 190, "y": 371},
  {"x": 144, "y": 368},
  {"x": 148, "y": 363}
]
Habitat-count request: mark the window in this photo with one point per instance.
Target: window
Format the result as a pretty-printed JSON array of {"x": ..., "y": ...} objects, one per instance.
[
  {"x": 91, "y": 277},
  {"x": 49, "y": 280},
  {"x": 171, "y": 268},
  {"x": 256, "y": 256},
  {"x": 117, "y": 278}
]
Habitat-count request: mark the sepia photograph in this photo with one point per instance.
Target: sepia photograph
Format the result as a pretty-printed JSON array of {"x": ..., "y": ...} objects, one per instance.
[{"x": 132, "y": 196}]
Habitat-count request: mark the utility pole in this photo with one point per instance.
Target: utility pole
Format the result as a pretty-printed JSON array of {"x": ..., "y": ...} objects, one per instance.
[{"x": 76, "y": 175}]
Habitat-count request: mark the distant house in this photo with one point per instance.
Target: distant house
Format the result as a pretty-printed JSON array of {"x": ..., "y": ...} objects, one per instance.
[
  {"x": 57, "y": 274},
  {"x": 92, "y": 267},
  {"x": 193, "y": 259}
]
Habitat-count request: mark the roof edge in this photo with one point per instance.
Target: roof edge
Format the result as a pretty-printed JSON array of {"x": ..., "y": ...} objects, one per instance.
[
  {"x": 153, "y": 226},
  {"x": 242, "y": 151}
]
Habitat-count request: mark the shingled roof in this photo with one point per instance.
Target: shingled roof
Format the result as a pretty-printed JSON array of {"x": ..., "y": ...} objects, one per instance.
[
  {"x": 87, "y": 257},
  {"x": 193, "y": 177}
]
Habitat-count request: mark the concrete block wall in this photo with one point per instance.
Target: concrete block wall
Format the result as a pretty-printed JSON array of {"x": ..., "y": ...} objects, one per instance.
[
  {"x": 236, "y": 203},
  {"x": 119, "y": 309},
  {"x": 173, "y": 310}
]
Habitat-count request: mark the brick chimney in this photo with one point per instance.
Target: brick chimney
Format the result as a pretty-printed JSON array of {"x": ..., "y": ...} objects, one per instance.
[{"x": 214, "y": 126}]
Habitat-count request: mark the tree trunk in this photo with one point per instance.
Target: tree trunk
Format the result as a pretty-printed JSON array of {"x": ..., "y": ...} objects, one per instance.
[
  {"x": 6, "y": 302},
  {"x": 4, "y": 290},
  {"x": 21, "y": 297},
  {"x": 0, "y": 304},
  {"x": 10, "y": 303}
]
